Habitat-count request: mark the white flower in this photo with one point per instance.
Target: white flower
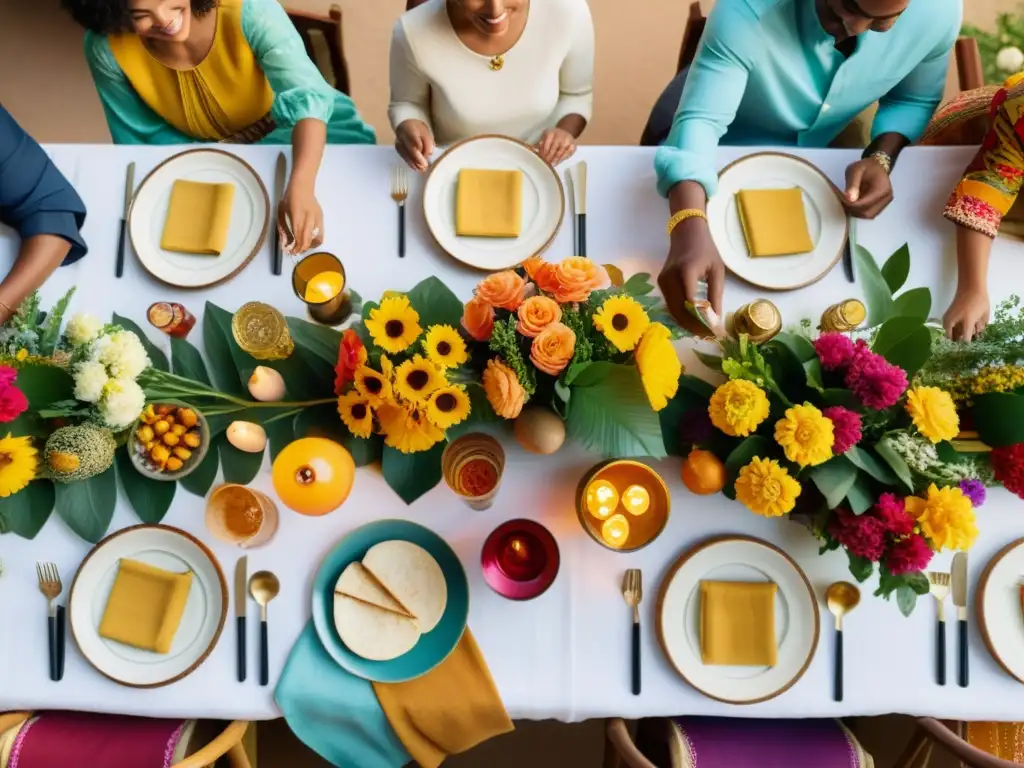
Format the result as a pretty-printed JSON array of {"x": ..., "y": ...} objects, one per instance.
[
  {"x": 83, "y": 328},
  {"x": 122, "y": 353},
  {"x": 90, "y": 378},
  {"x": 1010, "y": 59},
  {"x": 123, "y": 401}
]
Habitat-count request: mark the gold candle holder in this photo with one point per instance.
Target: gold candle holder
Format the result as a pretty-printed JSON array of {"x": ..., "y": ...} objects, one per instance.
[
  {"x": 760, "y": 320},
  {"x": 472, "y": 466},
  {"x": 640, "y": 529},
  {"x": 844, "y": 316},
  {"x": 261, "y": 331},
  {"x": 319, "y": 280}
]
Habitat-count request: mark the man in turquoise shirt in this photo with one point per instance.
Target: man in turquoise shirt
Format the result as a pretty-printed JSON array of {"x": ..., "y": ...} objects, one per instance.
[{"x": 796, "y": 73}]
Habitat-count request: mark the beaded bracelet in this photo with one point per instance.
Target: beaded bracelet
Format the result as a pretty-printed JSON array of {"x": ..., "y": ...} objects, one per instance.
[{"x": 687, "y": 213}]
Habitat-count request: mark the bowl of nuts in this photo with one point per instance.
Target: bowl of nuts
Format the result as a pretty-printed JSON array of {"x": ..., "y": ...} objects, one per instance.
[{"x": 169, "y": 441}]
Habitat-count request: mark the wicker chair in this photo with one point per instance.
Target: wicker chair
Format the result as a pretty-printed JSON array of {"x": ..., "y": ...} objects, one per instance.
[{"x": 324, "y": 45}]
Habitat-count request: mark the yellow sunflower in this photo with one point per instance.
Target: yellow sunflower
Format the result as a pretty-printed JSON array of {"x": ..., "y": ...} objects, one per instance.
[
  {"x": 934, "y": 413},
  {"x": 394, "y": 325},
  {"x": 355, "y": 412},
  {"x": 806, "y": 435},
  {"x": 767, "y": 489},
  {"x": 738, "y": 407},
  {"x": 407, "y": 429},
  {"x": 373, "y": 387},
  {"x": 946, "y": 517},
  {"x": 622, "y": 321},
  {"x": 387, "y": 368},
  {"x": 417, "y": 378},
  {"x": 447, "y": 407},
  {"x": 18, "y": 464},
  {"x": 659, "y": 365},
  {"x": 445, "y": 347}
]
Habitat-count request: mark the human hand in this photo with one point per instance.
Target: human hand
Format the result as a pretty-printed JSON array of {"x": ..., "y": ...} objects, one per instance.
[
  {"x": 415, "y": 143},
  {"x": 300, "y": 220},
  {"x": 556, "y": 145},
  {"x": 692, "y": 256},
  {"x": 968, "y": 315},
  {"x": 868, "y": 189}
]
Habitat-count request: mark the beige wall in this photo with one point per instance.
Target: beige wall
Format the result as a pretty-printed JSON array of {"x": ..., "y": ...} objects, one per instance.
[{"x": 45, "y": 83}]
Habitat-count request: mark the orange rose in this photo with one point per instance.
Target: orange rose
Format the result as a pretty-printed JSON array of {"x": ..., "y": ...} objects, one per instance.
[
  {"x": 504, "y": 392},
  {"x": 542, "y": 273},
  {"x": 552, "y": 350},
  {"x": 536, "y": 314},
  {"x": 478, "y": 319},
  {"x": 576, "y": 277},
  {"x": 502, "y": 289}
]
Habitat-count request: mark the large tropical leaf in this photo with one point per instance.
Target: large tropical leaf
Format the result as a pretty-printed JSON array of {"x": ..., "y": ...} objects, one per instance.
[
  {"x": 45, "y": 384},
  {"x": 867, "y": 461},
  {"x": 801, "y": 346},
  {"x": 149, "y": 498},
  {"x": 186, "y": 361},
  {"x": 156, "y": 355},
  {"x": 834, "y": 479},
  {"x": 239, "y": 466},
  {"x": 904, "y": 341},
  {"x": 917, "y": 302},
  {"x": 26, "y": 512},
  {"x": 319, "y": 340},
  {"x": 88, "y": 505},
  {"x": 410, "y": 475},
  {"x": 435, "y": 303},
  {"x": 221, "y": 350},
  {"x": 877, "y": 293},
  {"x": 608, "y": 413}
]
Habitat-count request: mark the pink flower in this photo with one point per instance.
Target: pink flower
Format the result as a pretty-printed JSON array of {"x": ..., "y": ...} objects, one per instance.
[
  {"x": 892, "y": 511},
  {"x": 834, "y": 349},
  {"x": 845, "y": 427},
  {"x": 911, "y": 555},
  {"x": 876, "y": 383},
  {"x": 13, "y": 403},
  {"x": 862, "y": 535},
  {"x": 7, "y": 376}
]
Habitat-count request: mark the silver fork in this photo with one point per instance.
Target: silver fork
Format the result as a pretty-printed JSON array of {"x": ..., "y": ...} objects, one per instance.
[
  {"x": 939, "y": 588},
  {"x": 51, "y": 587},
  {"x": 633, "y": 593},
  {"x": 399, "y": 193}
]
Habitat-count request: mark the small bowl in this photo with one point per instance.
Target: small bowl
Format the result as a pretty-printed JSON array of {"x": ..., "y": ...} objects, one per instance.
[
  {"x": 622, "y": 473},
  {"x": 142, "y": 466}
]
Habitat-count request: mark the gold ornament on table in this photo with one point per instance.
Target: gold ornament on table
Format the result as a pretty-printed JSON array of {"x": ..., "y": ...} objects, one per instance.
[
  {"x": 760, "y": 320},
  {"x": 844, "y": 316},
  {"x": 496, "y": 63},
  {"x": 262, "y": 331}
]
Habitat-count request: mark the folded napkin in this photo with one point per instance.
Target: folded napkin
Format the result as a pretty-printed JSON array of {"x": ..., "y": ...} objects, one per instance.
[
  {"x": 489, "y": 203},
  {"x": 198, "y": 217},
  {"x": 737, "y": 623},
  {"x": 774, "y": 222},
  {"x": 145, "y": 606}
]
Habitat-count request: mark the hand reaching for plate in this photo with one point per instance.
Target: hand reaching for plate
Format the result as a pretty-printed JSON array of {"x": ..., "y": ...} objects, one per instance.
[
  {"x": 415, "y": 144},
  {"x": 300, "y": 220},
  {"x": 556, "y": 145},
  {"x": 692, "y": 257},
  {"x": 868, "y": 189}
]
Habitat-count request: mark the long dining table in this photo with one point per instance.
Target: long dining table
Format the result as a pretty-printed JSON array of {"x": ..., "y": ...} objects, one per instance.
[{"x": 566, "y": 654}]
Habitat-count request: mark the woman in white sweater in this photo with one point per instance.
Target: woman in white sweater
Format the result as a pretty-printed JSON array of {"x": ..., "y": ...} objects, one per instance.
[{"x": 462, "y": 68}]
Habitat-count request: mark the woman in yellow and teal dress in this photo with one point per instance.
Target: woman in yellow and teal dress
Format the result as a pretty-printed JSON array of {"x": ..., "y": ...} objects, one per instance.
[{"x": 177, "y": 71}]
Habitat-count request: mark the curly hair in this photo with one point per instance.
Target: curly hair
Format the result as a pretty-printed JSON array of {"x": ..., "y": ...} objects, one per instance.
[{"x": 109, "y": 17}]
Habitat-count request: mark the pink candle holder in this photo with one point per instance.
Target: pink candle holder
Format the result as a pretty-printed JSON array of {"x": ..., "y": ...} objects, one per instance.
[{"x": 520, "y": 559}]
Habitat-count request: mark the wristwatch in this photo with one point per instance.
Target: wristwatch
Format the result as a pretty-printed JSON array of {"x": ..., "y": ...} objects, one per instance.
[{"x": 881, "y": 157}]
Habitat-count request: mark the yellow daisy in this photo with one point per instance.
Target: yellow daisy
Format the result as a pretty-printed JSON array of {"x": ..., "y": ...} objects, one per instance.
[
  {"x": 767, "y": 489},
  {"x": 394, "y": 325},
  {"x": 934, "y": 413},
  {"x": 407, "y": 429},
  {"x": 738, "y": 407},
  {"x": 659, "y": 365},
  {"x": 18, "y": 464},
  {"x": 416, "y": 379},
  {"x": 387, "y": 368},
  {"x": 372, "y": 385},
  {"x": 806, "y": 435},
  {"x": 946, "y": 517},
  {"x": 622, "y": 321},
  {"x": 355, "y": 412},
  {"x": 445, "y": 347},
  {"x": 447, "y": 407}
]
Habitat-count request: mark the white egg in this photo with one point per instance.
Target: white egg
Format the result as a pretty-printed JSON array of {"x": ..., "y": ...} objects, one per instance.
[
  {"x": 246, "y": 436},
  {"x": 540, "y": 430},
  {"x": 266, "y": 385}
]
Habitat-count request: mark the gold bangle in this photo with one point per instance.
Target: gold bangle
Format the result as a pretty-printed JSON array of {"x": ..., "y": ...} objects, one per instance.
[
  {"x": 680, "y": 216},
  {"x": 884, "y": 159}
]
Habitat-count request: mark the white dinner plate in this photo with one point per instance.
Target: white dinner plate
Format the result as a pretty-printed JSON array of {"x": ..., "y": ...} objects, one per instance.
[
  {"x": 201, "y": 624},
  {"x": 1000, "y": 614},
  {"x": 250, "y": 218},
  {"x": 826, "y": 220},
  {"x": 738, "y": 558},
  {"x": 543, "y": 202}
]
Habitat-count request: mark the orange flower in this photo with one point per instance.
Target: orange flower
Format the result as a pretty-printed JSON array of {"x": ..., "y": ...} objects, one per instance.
[
  {"x": 576, "y": 278},
  {"x": 542, "y": 273},
  {"x": 504, "y": 392},
  {"x": 351, "y": 354},
  {"x": 552, "y": 350},
  {"x": 478, "y": 319},
  {"x": 505, "y": 290},
  {"x": 536, "y": 314}
]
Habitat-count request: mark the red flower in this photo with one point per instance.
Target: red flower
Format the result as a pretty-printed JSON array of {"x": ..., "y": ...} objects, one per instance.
[
  {"x": 862, "y": 535},
  {"x": 13, "y": 403},
  {"x": 911, "y": 555},
  {"x": 1018, "y": 128},
  {"x": 892, "y": 511},
  {"x": 351, "y": 354},
  {"x": 1008, "y": 464},
  {"x": 7, "y": 376}
]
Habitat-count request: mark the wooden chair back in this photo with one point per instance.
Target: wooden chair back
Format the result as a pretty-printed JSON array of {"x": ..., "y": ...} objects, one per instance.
[
  {"x": 931, "y": 731},
  {"x": 695, "y": 23},
  {"x": 410, "y": 4},
  {"x": 968, "y": 64},
  {"x": 321, "y": 35}
]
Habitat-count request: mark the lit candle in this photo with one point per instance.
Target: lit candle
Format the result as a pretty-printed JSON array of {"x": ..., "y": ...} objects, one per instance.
[
  {"x": 636, "y": 500},
  {"x": 324, "y": 287},
  {"x": 602, "y": 499},
  {"x": 615, "y": 531},
  {"x": 518, "y": 550}
]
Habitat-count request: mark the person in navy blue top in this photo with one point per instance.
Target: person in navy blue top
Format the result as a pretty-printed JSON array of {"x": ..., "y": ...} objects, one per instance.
[{"x": 42, "y": 207}]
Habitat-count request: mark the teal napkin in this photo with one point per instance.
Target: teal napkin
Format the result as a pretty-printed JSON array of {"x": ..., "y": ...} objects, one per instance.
[{"x": 333, "y": 712}]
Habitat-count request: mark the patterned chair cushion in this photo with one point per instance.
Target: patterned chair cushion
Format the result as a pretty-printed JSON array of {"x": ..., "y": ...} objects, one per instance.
[{"x": 964, "y": 121}]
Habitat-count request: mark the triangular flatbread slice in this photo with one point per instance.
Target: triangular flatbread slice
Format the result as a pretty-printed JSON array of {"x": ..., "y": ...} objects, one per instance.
[
  {"x": 412, "y": 576},
  {"x": 371, "y": 632},
  {"x": 356, "y": 582}
]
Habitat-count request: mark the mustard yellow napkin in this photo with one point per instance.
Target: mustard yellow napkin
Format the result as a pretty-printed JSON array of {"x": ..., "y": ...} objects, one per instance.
[
  {"x": 450, "y": 709},
  {"x": 145, "y": 606},
  {"x": 198, "y": 217},
  {"x": 737, "y": 623},
  {"x": 774, "y": 222},
  {"x": 489, "y": 203}
]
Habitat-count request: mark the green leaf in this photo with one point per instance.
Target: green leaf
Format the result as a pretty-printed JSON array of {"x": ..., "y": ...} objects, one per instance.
[
  {"x": 435, "y": 303},
  {"x": 26, "y": 512},
  {"x": 696, "y": 386},
  {"x": 319, "y": 340},
  {"x": 638, "y": 285},
  {"x": 411, "y": 475},
  {"x": 672, "y": 415},
  {"x": 904, "y": 341},
  {"x": 739, "y": 457},
  {"x": 149, "y": 498},
  {"x": 843, "y": 397},
  {"x": 814, "y": 374},
  {"x": 279, "y": 434},
  {"x": 609, "y": 413},
  {"x": 877, "y": 293},
  {"x": 200, "y": 480},
  {"x": 801, "y": 346},
  {"x": 88, "y": 505},
  {"x": 897, "y": 268},
  {"x": 714, "y": 362},
  {"x": 868, "y": 462},
  {"x": 860, "y": 568},
  {"x": 917, "y": 302},
  {"x": 859, "y": 496},
  {"x": 323, "y": 421},
  {"x": 834, "y": 479},
  {"x": 906, "y": 599},
  {"x": 998, "y": 417},
  {"x": 156, "y": 355},
  {"x": 186, "y": 361},
  {"x": 45, "y": 384},
  {"x": 787, "y": 370},
  {"x": 896, "y": 462},
  {"x": 239, "y": 466},
  {"x": 51, "y": 330},
  {"x": 917, "y": 582},
  {"x": 221, "y": 349}
]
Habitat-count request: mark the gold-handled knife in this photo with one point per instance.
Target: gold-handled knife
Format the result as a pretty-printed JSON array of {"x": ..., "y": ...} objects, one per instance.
[
  {"x": 958, "y": 578},
  {"x": 280, "y": 174},
  {"x": 241, "y": 596},
  {"x": 122, "y": 238},
  {"x": 578, "y": 179}
]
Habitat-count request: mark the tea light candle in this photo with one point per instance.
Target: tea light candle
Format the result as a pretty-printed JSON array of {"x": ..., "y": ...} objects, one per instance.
[
  {"x": 517, "y": 550},
  {"x": 636, "y": 500},
  {"x": 324, "y": 286},
  {"x": 602, "y": 499},
  {"x": 615, "y": 531}
]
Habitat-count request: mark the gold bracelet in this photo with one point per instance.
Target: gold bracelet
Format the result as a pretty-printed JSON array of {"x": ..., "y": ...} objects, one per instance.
[
  {"x": 687, "y": 213},
  {"x": 884, "y": 159}
]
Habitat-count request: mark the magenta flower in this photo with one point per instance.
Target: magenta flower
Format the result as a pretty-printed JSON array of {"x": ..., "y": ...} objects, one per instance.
[
  {"x": 835, "y": 350},
  {"x": 845, "y": 427},
  {"x": 13, "y": 403},
  {"x": 862, "y": 535},
  {"x": 910, "y": 555},
  {"x": 874, "y": 380},
  {"x": 973, "y": 490},
  {"x": 7, "y": 376},
  {"x": 892, "y": 511}
]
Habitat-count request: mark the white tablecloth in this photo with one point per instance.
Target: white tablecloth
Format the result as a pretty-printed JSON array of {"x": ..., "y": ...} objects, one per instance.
[{"x": 564, "y": 655}]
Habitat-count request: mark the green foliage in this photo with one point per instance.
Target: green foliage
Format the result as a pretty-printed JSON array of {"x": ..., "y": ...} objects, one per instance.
[
  {"x": 52, "y": 325},
  {"x": 26, "y": 512},
  {"x": 1000, "y": 343},
  {"x": 435, "y": 303},
  {"x": 411, "y": 475},
  {"x": 575, "y": 322},
  {"x": 834, "y": 479},
  {"x": 149, "y": 498},
  {"x": 896, "y": 269},
  {"x": 999, "y": 418},
  {"x": 88, "y": 506},
  {"x": 505, "y": 343},
  {"x": 905, "y": 342},
  {"x": 1009, "y": 32},
  {"x": 200, "y": 480},
  {"x": 877, "y": 292}
]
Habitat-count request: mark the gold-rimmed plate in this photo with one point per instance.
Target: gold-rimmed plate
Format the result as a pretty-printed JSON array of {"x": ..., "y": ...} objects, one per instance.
[{"x": 1000, "y": 610}]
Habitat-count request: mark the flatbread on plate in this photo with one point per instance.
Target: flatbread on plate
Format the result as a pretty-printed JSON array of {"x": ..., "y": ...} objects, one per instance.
[
  {"x": 412, "y": 577},
  {"x": 355, "y": 581},
  {"x": 372, "y": 632}
]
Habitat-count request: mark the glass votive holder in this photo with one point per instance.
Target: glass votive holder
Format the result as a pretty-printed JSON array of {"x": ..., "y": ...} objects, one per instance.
[
  {"x": 472, "y": 466},
  {"x": 239, "y": 515},
  {"x": 319, "y": 280},
  {"x": 520, "y": 559},
  {"x": 642, "y": 509}
]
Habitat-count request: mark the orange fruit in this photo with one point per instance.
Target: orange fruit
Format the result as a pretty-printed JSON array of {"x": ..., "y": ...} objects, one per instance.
[
  {"x": 703, "y": 472},
  {"x": 313, "y": 475}
]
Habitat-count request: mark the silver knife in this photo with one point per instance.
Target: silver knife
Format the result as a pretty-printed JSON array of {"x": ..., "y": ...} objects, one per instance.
[
  {"x": 122, "y": 238},
  {"x": 578, "y": 177},
  {"x": 241, "y": 596},
  {"x": 280, "y": 175},
  {"x": 959, "y": 585}
]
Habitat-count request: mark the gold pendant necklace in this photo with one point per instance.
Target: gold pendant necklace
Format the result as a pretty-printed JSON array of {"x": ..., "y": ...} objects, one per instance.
[{"x": 497, "y": 62}]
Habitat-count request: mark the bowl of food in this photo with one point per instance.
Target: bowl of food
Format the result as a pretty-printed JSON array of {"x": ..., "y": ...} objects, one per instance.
[{"x": 169, "y": 441}]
